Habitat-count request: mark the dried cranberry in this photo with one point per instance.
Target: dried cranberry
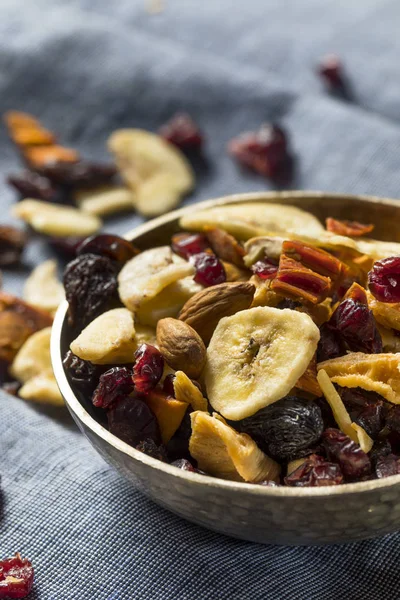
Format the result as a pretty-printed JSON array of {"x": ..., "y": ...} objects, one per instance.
[
  {"x": 65, "y": 246},
  {"x": 209, "y": 269},
  {"x": 33, "y": 185},
  {"x": 184, "y": 465},
  {"x": 387, "y": 466},
  {"x": 79, "y": 174},
  {"x": 12, "y": 243},
  {"x": 112, "y": 246},
  {"x": 168, "y": 385},
  {"x": 132, "y": 421},
  {"x": 353, "y": 461},
  {"x": 329, "y": 345},
  {"x": 315, "y": 472},
  {"x": 90, "y": 283},
  {"x": 187, "y": 244},
  {"x": 384, "y": 279},
  {"x": 113, "y": 384},
  {"x": 148, "y": 368},
  {"x": 84, "y": 375},
  {"x": 366, "y": 408},
  {"x": 392, "y": 417},
  {"x": 266, "y": 268},
  {"x": 379, "y": 449},
  {"x": 331, "y": 71},
  {"x": 355, "y": 324},
  {"x": 16, "y": 577},
  {"x": 149, "y": 447},
  {"x": 178, "y": 446},
  {"x": 183, "y": 132},
  {"x": 265, "y": 151}
]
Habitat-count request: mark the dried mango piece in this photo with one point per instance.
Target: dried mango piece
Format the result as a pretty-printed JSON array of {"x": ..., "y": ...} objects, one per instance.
[
  {"x": 350, "y": 228},
  {"x": 169, "y": 413},
  {"x": 374, "y": 372}
]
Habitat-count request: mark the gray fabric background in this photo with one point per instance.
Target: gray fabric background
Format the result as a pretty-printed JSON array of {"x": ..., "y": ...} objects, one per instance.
[{"x": 87, "y": 67}]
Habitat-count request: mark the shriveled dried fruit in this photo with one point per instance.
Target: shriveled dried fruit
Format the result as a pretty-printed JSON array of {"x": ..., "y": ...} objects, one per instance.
[
  {"x": 183, "y": 132},
  {"x": 12, "y": 244},
  {"x": 209, "y": 269},
  {"x": 181, "y": 346},
  {"x": 113, "y": 246},
  {"x": 148, "y": 368},
  {"x": 384, "y": 279},
  {"x": 114, "y": 385},
  {"x": 365, "y": 408},
  {"x": 225, "y": 246},
  {"x": 387, "y": 466},
  {"x": 266, "y": 268},
  {"x": 330, "y": 344},
  {"x": 330, "y": 71},
  {"x": 315, "y": 472},
  {"x": 56, "y": 220},
  {"x": 178, "y": 446},
  {"x": 188, "y": 244},
  {"x": 32, "y": 185},
  {"x": 132, "y": 421},
  {"x": 353, "y": 462},
  {"x": 106, "y": 200},
  {"x": 16, "y": 577},
  {"x": 26, "y": 130},
  {"x": 83, "y": 374},
  {"x": 169, "y": 412},
  {"x": 286, "y": 428},
  {"x": 223, "y": 452},
  {"x": 80, "y": 173},
  {"x": 234, "y": 273},
  {"x": 350, "y": 228},
  {"x": 43, "y": 289},
  {"x": 149, "y": 447},
  {"x": 90, "y": 284}
]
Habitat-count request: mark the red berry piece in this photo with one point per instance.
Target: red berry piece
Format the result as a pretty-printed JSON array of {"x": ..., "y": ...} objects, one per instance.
[
  {"x": 183, "y": 132},
  {"x": 33, "y": 185},
  {"x": 114, "y": 247},
  {"x": 353, "y": 461},
  {"x": 133, "y": 422},
  {"x": 365, "y": 408},
  {"x": 266, "y": 268},
  {"x": 16, "y": 577},
  {"x": 315, "y": 472},
  {"x": 113, "y": 385},
  {"x": 384, "y": 279},
  {"x": 209, "y": 269},
  {"x": 331, "y": 72},
  {"x": 265, "y": 151},
  {"x": 355, "y": 324},
  {"x": 168, "y": 385},
  {"x": 148, "y": 368},
  {"x": 387, "y": 466},
  {"x": 188, "y": 244}
]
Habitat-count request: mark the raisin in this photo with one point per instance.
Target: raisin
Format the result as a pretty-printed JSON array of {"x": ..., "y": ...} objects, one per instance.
[
  {"x": 387, "y": 465},
  {"x": 90, "y": 284},
  {"x": 83, "y": 374},
  {"x": 315, "y": 472},
  {"x": 188, "y": 244},
  {"x": 392, "y": 418},
  {"x": 149, "y": 447},
  {"x": 380, "y": 449},
  {"x": 113, "y": 385},
  {"x": 16, "y": 577},
  {"x": 79, "y": 174},
  {"x": 12, "y": 244},
  {"x": 148, "y": 368},
  {"x": 331, "y": 72},
  {"x": 353, "y": 461},
  {"x": 133, "y": 422},
  {"x": 266, "y": 268},
  {"x": 329, "y": 345},
  {"x": 168, "y": 385},
  {"x": 209, "y": 269},
  {"x": 384, "y": 279},
  {"x": 355, "y": 324},
  {"x": 178, "y": 446},
  {"x": 365, "y": 408},
  {"x": 285, "y": 428},
  {"x": 32, "y": 185},
  {"x": 112, "y": 246},
  {"x": 66, "y": 247},
  {"x": 183, "y": 132}
]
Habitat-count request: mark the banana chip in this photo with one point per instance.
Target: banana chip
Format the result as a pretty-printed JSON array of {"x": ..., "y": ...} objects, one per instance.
[
  {"x": 390, "y": 341},
  {"x": 33, "y": 357},
  {"x": 42, "y": 388},
  {"x": 43, "y": 289},
  {"x": 223, "y": 452},
  {"x": 168, "y": 302},
  {"x": 106, "y": 200},
  {"x": 186, "y": 391}
]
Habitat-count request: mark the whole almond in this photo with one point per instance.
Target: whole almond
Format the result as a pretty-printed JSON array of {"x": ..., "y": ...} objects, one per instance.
[
  {"x": 182, "y": 348},
  {"x": 204, "y": 310}
]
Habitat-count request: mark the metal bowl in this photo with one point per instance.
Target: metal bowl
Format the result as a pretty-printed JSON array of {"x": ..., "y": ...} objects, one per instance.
[{"x": 260, "y": 514}]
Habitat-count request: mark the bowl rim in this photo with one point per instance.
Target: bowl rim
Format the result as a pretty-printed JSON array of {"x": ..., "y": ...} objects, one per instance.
[{"x": 81, "y": 415}]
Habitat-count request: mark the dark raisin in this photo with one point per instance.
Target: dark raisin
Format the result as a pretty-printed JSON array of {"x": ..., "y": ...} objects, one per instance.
[
  {"x": 168, "y": 385},
  {"x": 353, "y": 461},
  {"x": 90, "y": 283},
  {"x": 387, "y": 465},
  {"x": 83, "y": 374},
  {"x": 113, "y": 385},
  {"x": 209, "y": 269},
  {"x": 331, "y": 72},
  {"x": 266, "y": 268},
  {"x": 132, "y": 421},
  {"x": 66, "y": 247},
  {"x": 184, "y": 464},
  {"x": 16, "y": 577},
  {"x": 79, "y": 174},
  {"x": 379, "y": 449},
  {"x": 183, "y": 132},
  {"x": 288, "y": 303},
  {"x": 33, "y": 185},
  {"x": 315, "y": 472},
  {"x": 148, "y": 368},
  {"x": 112, "y": 246},
  {"x": 384, "y": 279},
  {"x": 330, "y": 344},
  {"x": 392, "y": 417},
  {"x": 188, "y": 244},
  {"x": 365, "y": 408},
  {"x": 285, "y": 428},
  {"x": 178, "y": 446},
  {"x": 149, "y": 447},
  {"x": 355, "y": 324},
  {"x": 12, "y": 244}
]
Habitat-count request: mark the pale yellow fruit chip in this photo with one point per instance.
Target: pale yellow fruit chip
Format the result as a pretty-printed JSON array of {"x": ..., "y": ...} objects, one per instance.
[
  {"x": 186, "y": 391},
  {"x": 378, "y": 373},
  {"x": 42, "y": 388},
  {"x": 168, "y": 302},
  {"x": 43, "y": 289},
  {"x": 106, "y": 200},
  {"x": 33, "y": 358},
  {"x": 145, "y": 335},
  {"x": 386, "y": 313},
  {"x": 223, "y": 452},
  {"x": 377, "y": 248},
  {"x": 390, "y": 341},
  {"x": 110, "y": 338}
]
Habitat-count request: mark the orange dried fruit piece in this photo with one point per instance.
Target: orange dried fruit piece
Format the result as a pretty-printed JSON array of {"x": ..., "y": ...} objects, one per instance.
[
  {"x": 38, "y": 156},
  {"x": 308, "y": 381},
  {"x": 348, "y": 228},
  {"x": 26, "y": 130},
  {"x": 169, "y": 412},
  {"x": 374, "y": 372}
]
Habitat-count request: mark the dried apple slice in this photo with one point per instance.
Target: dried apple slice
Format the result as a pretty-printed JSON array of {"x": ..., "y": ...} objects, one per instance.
[{"x": 43, "y": 289}]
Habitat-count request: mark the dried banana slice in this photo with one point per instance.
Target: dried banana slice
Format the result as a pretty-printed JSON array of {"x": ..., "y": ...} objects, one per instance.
[
  {"x": 33, "y": 358},
  {"x": 42, "y": 388},
  {"x": 148, "y": 273},
  {"x": 168, "y": 302},
  {"x": 386, "y": 313},
  {"x": 56, "y": 220},
  {"x": 186, "y": 391},
  {"x": 254, "y": 219},
  {"x": 43, "y": 289},
  {"x": 375, "y": 372},
  {"x": 223, "y": 452},
  {"x": 377, "y": 248},
  {"x": 154, "y": 169},
  {"x": 145, "y": 335},
  {"x": 106, "y": 200},
  {"x": 110, "y": 338},
  {"x": 255, "y": 357}
]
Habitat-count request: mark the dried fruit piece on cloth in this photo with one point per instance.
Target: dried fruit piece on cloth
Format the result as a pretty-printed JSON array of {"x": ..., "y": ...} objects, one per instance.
[
  {"x": 223, "y": 452},
  {"x": 375, "y": 372},
  {"x": 102, "y": 201},
  {"x": 12, "y": 244},
  {"x": 43, "y": 289},
  {"x": 182, "y": 131},
  {"x": 315, "y": 471},
  {"x": 350, "y": 228},
  {"x": 16, "y": 577}
]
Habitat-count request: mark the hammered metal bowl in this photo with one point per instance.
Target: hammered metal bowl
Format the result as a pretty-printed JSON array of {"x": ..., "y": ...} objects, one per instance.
[{"x": 260, "y": 514}]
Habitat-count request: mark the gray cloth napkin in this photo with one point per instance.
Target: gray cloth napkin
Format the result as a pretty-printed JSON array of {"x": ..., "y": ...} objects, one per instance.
[{"x": 87, "y": 67}]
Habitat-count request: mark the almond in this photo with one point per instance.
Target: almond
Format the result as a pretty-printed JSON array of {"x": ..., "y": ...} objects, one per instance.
[
  {"x": 204, "y": 310},
  {"x": 180, "y": 345}
]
